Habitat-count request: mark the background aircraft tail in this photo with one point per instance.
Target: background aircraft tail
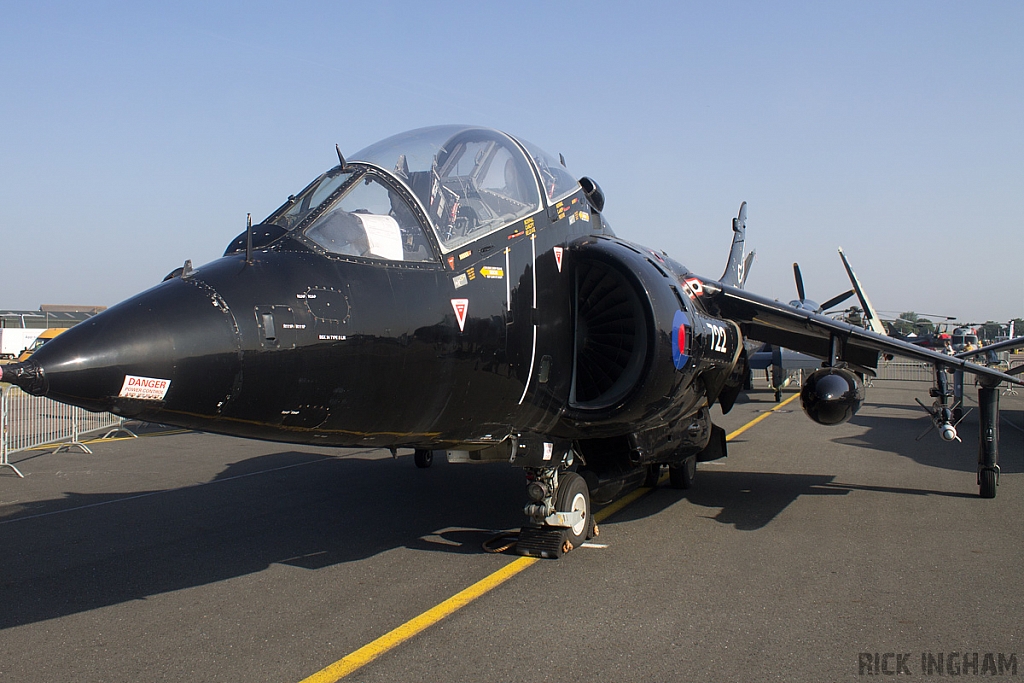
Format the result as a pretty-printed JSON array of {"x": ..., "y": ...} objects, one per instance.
[
  {"x": 870, "y": 314},
  {"x": 738, "y": 267}
]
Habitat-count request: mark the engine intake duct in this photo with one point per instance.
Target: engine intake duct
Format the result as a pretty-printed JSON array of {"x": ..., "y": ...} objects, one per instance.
[{"x": 611, "y": 337}]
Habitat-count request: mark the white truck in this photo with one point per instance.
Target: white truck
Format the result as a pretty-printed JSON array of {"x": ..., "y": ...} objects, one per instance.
[{"x": 14, "y": 340}]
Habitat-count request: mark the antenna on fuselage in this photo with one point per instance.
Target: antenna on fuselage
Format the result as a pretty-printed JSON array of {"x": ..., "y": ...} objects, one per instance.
[{"x": 248, "y": 238}]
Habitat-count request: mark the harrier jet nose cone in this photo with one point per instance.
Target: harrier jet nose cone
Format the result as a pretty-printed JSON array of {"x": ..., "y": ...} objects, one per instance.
[
  {"x": 172, "y": 347},
  {"x": 25, "y": 375}
]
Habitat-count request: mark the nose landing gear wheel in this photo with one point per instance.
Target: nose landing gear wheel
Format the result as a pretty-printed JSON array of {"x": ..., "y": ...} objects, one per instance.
[
  {"x": 574, "y": 496},
  {"x": 423, "y": 458}
]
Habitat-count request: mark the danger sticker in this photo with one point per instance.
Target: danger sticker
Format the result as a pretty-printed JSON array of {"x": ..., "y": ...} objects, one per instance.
[{"x": 144, "y": 388}]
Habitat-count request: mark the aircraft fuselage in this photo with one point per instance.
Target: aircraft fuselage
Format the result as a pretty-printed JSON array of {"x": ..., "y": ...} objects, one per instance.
[{"x": 298, "y": 346}]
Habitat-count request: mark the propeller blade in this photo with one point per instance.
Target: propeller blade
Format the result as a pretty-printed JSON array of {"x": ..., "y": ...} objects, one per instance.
[
  {"x": 799, "y": 282},
  {"x": 836, "y": 300}
]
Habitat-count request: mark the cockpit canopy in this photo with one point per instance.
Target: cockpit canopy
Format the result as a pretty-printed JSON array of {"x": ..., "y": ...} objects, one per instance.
[{"x": 466, "y": 182}]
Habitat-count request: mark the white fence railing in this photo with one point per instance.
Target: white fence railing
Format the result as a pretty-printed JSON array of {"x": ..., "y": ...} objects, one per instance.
[
  {"x": 916, "y": 371},
  {"x": 906, "y": 370},
  {"x": 28, "y": 421}
]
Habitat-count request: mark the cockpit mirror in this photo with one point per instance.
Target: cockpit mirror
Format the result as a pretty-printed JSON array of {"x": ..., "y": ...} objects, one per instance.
[{"x": 593, "y": 193}]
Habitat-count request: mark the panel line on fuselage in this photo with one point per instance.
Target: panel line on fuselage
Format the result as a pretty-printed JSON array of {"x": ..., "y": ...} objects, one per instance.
[
  {"x": 533, "y": 353},
  {"x": 508, "y": 281}
]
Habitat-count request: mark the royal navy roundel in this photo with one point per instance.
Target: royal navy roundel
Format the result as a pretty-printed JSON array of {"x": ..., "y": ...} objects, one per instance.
[{"x": 680, "y": 330}]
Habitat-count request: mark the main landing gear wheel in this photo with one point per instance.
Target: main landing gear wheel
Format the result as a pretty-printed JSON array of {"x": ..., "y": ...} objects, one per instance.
[
  {"x": 653, "y": 475},
  {"x": 573, "y": 495},
  {"x": 423, "y": 457},
  {"x": 681, "y": 475}
]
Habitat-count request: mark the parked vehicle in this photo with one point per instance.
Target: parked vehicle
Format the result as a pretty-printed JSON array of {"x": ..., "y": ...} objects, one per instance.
[
  {"x": 14, "y": 340},
  {"x": 44, "y": 336}
]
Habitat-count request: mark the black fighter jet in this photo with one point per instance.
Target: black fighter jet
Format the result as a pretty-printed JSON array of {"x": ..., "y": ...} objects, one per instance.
[{"x": 454, "y": 288}]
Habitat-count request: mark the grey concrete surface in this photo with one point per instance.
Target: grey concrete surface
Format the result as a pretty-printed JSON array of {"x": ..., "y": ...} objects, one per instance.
[{"x": 203, "y": 558}]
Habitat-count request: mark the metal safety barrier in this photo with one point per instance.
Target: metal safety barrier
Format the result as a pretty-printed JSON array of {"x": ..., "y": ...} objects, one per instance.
[
  {"x": 917, "y": 371},
  {"x": 906, "y": 370},
  {"x": 1013, "y": 363},
  {"x": 28, "y": 421}
]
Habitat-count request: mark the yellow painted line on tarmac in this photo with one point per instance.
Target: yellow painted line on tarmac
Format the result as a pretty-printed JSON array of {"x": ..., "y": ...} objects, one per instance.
[
  {"x": 610, "y": 509},
  {"x": 628, "y": 499},
  {"x": 757, "y": 419},
  {"x": 371, "y": 651}
]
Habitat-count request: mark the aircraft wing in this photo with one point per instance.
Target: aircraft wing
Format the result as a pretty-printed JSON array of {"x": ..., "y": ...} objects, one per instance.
[
  {"x": 1015, "y": 343},
  {"x": 801, "y": 330}
]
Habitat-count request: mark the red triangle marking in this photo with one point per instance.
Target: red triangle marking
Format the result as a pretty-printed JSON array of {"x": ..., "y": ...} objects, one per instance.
[{"x": 461, "y": 306}]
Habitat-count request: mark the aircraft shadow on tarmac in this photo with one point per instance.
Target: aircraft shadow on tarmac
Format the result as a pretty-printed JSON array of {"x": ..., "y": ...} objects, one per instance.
[
  {"x": 84, "y": 551},
  {"x": 294, "y": 508},
  {"x": 898, "y": 434},
  {"x": 897, "y": 430},
  {"x": 747, "y": 501}
]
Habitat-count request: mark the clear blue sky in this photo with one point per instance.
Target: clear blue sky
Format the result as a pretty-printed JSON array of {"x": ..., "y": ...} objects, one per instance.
[{"x": 136, "y": 135}]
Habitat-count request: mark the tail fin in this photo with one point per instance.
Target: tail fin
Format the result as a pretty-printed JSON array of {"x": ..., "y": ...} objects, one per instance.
[
  {"x": 869, "y": 311},
  {"x": 738, "y": 267}
]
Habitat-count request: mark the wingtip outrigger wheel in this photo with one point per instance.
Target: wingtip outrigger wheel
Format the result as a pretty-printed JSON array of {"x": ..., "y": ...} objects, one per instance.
[{"x": 988, "y": 438}]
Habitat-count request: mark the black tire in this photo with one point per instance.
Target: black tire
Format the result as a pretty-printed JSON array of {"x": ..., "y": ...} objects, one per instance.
[
  {"x": 681, "y": 475},
  {"x": 573, "y": 494},
  {"x": 653, "y": 475},
  {"x": 987, "y": 481},
  {"x": 423, "y": 458}
]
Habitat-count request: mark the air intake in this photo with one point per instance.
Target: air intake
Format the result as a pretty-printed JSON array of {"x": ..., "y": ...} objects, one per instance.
[{"x": 611, "y": 337}]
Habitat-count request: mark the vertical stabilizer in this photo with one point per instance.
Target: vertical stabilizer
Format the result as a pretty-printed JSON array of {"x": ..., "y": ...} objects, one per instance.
[
  {"x": 870, "y": 314},
  {"x": 738, "y": 267}
]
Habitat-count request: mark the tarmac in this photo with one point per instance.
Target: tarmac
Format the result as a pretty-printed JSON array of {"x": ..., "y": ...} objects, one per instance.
[{"x": 810, "y": 553}]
